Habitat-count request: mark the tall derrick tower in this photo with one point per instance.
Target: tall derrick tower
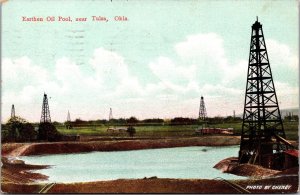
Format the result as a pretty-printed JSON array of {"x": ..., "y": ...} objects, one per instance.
[
  {"x": 262, "y": 139},
  {"x": 45, "y": 116},
  {"x": 202, "y": 110}
]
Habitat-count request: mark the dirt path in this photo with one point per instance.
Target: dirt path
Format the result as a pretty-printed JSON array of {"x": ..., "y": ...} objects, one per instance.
[{"x": 19, "y": 150}]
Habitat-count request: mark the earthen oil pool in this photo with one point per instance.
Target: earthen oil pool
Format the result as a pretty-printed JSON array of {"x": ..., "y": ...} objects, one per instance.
[{"x": 181, "y": 162}]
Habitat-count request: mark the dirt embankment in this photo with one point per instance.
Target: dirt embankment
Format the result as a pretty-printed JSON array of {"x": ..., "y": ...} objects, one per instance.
[
  {"x": 278, "y": 185},
  {"x": 77, "y": 147},
  {"x": 7, "y": 148}
]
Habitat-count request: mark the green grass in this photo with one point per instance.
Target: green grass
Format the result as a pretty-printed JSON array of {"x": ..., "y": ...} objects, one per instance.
[
  {"x": 96, "y": 130},
  {"x": 155, "y": 131},
  {"x": 166, "y": 130},
  {"x": 291, "y": 130}
]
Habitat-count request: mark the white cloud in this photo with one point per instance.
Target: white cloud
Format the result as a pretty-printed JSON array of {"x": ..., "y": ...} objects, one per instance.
[
  {"x": 200, "y": 45},
  {"x": 202, "y": 63},
  {"x": 208, "y": 73},
  {"x": 167, "y": 71},
  {"x": 287, "y": 95},
  {"x": 109, "y": 82},
  {"x": 201, "y": 60},
  {"x": 67, "y": 71},
  {"x": 200, "y": 68},
  {"x": 284, "y": 62},
  {"x": 235, "y": 72},
  {"x": 21, "y": 71},
  {"x": 281, "y": 55},
  {"x": 109, "y": 66},
  {"x": 220, "y": 90}
]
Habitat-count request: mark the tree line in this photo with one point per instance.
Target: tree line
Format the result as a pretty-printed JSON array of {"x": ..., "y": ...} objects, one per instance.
[{"x": 154, "y": 121}]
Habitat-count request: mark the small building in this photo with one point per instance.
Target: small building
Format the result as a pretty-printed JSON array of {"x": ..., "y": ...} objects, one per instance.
[{"x": 209, "y": 131}]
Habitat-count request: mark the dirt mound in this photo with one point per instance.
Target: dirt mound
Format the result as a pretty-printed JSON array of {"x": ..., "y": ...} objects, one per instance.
[
  {"x": 252, "y": 170},
  {"x": 226, "y": 164}
]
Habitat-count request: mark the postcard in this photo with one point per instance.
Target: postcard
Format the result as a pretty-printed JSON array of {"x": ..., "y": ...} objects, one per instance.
[{"x": 111, "y": 96}]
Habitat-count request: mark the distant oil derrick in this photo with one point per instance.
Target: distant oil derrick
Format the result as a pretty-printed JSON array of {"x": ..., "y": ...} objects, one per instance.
[
  {"x": 12, "y": 115},
  {"x": 68, "y": 122},
  {"x": 263, "y": 136},
  {"x": 45, "y": 116},
  {"x": 110, "y": 121},
  {"x": 202, "y": 110},
  {"x": 47, "y": 131},
  {"x": 110, "y": 115},
  {"x": 68, "y": 117}
]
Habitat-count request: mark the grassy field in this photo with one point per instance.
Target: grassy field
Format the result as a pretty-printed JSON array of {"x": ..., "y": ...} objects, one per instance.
[
  {"x": 141, "y": 131},
  {"x": 291, "y": 130}
]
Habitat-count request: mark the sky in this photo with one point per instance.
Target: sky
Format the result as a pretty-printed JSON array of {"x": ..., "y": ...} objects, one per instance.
[{"x": 158, "y": 63}]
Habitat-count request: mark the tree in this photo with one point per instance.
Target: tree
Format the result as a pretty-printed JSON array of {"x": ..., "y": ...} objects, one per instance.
[
  {"x": 27, "y": 132},
  {"x": 132, "y": 120},
  {"x": 183, "y": 121},
  {"x": 131, "y": 131},
  {"x": 48, "y": 132},
  {"x": 153, "y": 120},
  {"x": 18, "y": 129},
  {"x": 13, "y": 126}
]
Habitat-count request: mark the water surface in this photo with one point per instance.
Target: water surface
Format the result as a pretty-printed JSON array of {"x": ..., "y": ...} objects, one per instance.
[{"x": 182, "y": 162}]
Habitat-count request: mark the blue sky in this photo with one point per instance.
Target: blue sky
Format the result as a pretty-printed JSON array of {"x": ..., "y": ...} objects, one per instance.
[{"x": 156, "y": 64}]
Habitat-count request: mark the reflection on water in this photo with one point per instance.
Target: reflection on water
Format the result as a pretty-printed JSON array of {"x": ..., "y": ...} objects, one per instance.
[{"x": 182, "y": 162}]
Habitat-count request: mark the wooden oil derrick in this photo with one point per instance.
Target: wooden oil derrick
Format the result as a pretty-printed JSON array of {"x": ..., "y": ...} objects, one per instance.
[
  {"x": 202, "y": 110},
  {"x": 68, "y": 122},
  {"x": 45, "y": 116},
  {"x": 263, "y": 137},
  {"x": 110, "y": 115}
]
